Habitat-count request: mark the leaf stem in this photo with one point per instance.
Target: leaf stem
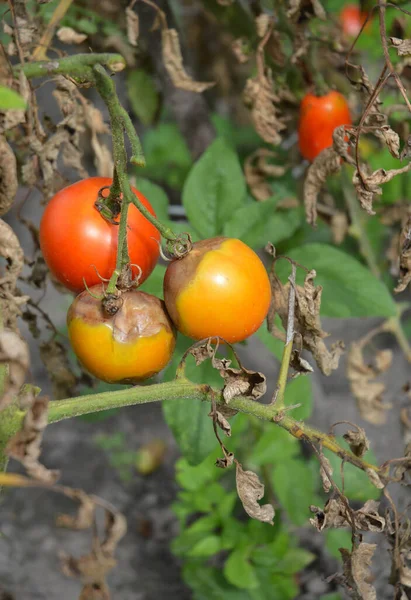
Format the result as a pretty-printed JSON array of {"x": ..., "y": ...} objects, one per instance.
[{"x": 76, "y": 66}]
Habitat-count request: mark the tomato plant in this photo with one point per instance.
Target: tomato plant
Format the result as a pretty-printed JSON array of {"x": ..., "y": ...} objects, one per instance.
[
  {"x": 319, "y": 116},
  {"x": 80, "y": 246},
  {"x": 131, "y": 345},
  {"x": 220, "y": 288}
]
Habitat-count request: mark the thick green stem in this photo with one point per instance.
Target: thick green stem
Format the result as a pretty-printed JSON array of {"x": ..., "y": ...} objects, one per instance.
[
  {"x": 183, "y": 388},
  {"x": 76, "y": 66}
]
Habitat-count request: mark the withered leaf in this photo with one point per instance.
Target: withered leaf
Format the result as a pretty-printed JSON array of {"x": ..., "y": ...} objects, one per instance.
[
  {"x": 257, "y": 169},
  {"x": 259, "y": 96},
  {"x": 357, "y": 571},
  {"x": 173, "y": 62},
  {"x": 297, "y": 7},
  {"x": 325, "y": 470},
  {"x": 369, "y": 185},
  {"x": 357, "y": 441},
  {"x": 403, "y": 47},
  {"x": 250, "y": 490},
  {"x": 339, "y": 227},
  {"x": 227, "y": 461},
  {"x": 336, "y": 515},
  {"x": 11, "y": 118},
  {"x": 299, "y": 364},
  {"x": 365, "y": 389},
  {"x": 390, "y": 138},
  {"x": 8, "y": 176},
  {"x": 262, "y": 23},
  {"x": 25, "y": 445},
  {"x": 242, "y": 382},
  {"x": 84, "y": 518},
  {"x": 14, "y": 352},
  {"x": 67, "y": 35},
  {"x": 133, "y": 26},
  {"x": 375, "y": 479},
  {"x": 222, "y": 422},
  {"x": 307, "y": 322},
  {"x": 241, "y": 50},
  {"x": 10, "y": 300},
  {"x": 405, "y": 257},
  {"x": 324, "y": 165}
]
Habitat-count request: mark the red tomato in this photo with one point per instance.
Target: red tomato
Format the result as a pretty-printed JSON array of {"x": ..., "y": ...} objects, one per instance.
[
  {"x": 77, "y": 242},
  {"x": 352, "y": 19},
  {"x": 319, "y": 116}
]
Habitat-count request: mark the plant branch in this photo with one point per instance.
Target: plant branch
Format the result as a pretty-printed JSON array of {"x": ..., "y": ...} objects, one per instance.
[
  {"x": 183, "y": 388},
  {"x": 77, "y": 66}
]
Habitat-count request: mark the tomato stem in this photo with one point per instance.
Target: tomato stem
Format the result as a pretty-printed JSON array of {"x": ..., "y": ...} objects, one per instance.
[
  {"x": 183, "y": 388},
  {"x": 77, "y": 66}
]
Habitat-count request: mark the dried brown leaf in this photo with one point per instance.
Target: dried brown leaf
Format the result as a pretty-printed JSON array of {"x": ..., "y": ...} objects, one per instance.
[
  {"x": 357, "y": 441},
  {"x": 405, "y": 257},
  {"x": 67, "y": 35},
  {"x": 25, "y": 445},
  {"x": 250, "y": 490},
  {"x": 262, "y": 23},
  {"x": 84, "y": 518},
  {"x": 14, "y": 352},
  {"x": 325, "y": 470},
  {"x": 133, "y": 26},
  {"x": 173, "y": 62},
  {"x": 8, "y": 176},
  {"x": 241, "y": 50},
  {"x": 357, "y": 571},
  {"x": 227, "y": 461},
  {"x": 324, "y": 165},
  {"x": 10, "y": 300},
  {"x": 297, "y": 8},
  {"x": 339, "y": 227},
  {"x": 390, "y": 138},
  {"x": 242, "y": 382},
  {"x": 222, "y": 422},
  {"x": 365, "y": 389},
  {"x": 11, "y": 118},
  {"x": 337, "y": 515},
  {"x": 403, "y": 47},
  {"x": 259, "y": 96},
  {"x": 300, "y": 364},
  {"x": 257, "y": 169},
  {"x": 375, "y": 479},
  {"x": 370, "y": 185}
]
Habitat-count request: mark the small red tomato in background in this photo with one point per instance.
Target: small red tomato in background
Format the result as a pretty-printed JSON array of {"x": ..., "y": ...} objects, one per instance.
[
  {"x": 132, "y": 345},
  {"x": 220, "y": 288},
  {"x": 352, "y": 19},
  {"x": 77, "y": 242},
  {"x": 319, "y": 116}
]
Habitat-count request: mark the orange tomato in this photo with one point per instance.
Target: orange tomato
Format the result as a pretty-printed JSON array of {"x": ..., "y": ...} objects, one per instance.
[
  {"x": 220, "y": 288},
  {"x": 352, "y": 19},
  {"x": 79, "y": 244},
  {"x": 319, "y": 116},
  {"x": 132, "y": 345}
]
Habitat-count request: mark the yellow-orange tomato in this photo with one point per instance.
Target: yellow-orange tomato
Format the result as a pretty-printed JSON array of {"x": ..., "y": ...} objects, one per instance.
[
  {"x": 220, "y": 288},
  {"x": 129, "y": 346},
  {"x": 352, "y": 19},
  {"x": 319, "y": 116}
]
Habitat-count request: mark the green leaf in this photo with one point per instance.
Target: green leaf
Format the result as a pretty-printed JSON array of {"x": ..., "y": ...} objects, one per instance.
[
  {"x": 273, "y": 445},
  {"x": 257, "y": 223},
  {"x": 357, "y": 486},
  {"x": 155, "y": 195},
  {"x": 208, "y": 546},
  {"x": 337, "y": 538},
  {"x": 143, "y": 95},
  {"x": 332, "y": 596},
  {"x": 239, "y": 571},
  {"x": 349, "y": 288},
  {"x": 214, "y": 189},
  {"x": 194, "y": 478},
  {"x": 294, "y": 486},
  {"x": 154, "y": 283},
  {"x": 294, "y": 561},
  {"x": 299, "y": 391},
  {"x": 167, "y": 156},
  {"x": 9, "y": 99},
  {"x": 209, "y": 582}
]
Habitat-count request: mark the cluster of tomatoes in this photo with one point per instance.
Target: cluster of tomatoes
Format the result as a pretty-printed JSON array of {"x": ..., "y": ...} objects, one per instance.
[{"x": 219, "y": 288}]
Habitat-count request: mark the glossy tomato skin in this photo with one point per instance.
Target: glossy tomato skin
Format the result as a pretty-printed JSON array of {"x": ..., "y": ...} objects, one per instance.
[
  {"x": 77, "y": 242},
  {"x": 352, "y": 19},
  {"x": 128, "y": 347},
  {"x": 220, "y": 288},
  {"x": 319, "y": 116}
]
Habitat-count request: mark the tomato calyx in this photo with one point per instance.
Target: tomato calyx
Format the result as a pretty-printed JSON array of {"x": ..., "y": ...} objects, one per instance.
[
  {"x": 109, "y": 206},
  {"x": 112, "y": 303},
  {"x": 178, "y": 248}
]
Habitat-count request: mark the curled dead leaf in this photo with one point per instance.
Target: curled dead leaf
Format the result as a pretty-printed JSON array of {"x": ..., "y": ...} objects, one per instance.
[
  {"x": 257, "y": 169},
  {"x": 14, "y": 353},
  {"x": 325, "y": 470},
  {"x": 357, "y": 441},
  {"x": 297, "y": 7},
  {"x": 8, "y": 176},
  {"x": 54, "y": 356},
  {"x": 404, "y": 247},
  {"x": 262, "y": 23},
  {"x": 365, "y": 389},
  {"x": 259, "y": 96},
  {"x": 390, "y": 138},
  {"x": 133, "y": 26},
  {"x": 339, "y": 227},
  {"x": 222, "y": 422},
  {"x": 25, "y": 445},
  {"x": 336, "y": 514},
  {"x": 357, "y": 571},
  {"x": 403, "y": 47},
  {"x": 84, "y": 518},
  {"x": 241, "y": 50},
  {"x": 324, "y": 165},
  {"x": 67, "y": 35},
  {"x": 250, "y": 490},
  {"x": 299, "y": 364},
  {"x": 369, "y": 185},
  {"x": 173, "y": 62}
]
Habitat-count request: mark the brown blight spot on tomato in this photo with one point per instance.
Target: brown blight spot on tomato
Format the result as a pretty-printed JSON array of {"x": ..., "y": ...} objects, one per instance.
[
  {"x": 132, "y": 345},
  {"x": 221, "y": 288}
]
